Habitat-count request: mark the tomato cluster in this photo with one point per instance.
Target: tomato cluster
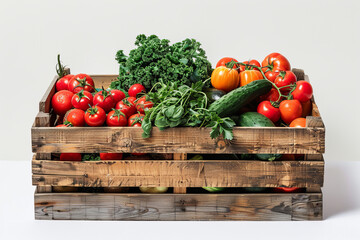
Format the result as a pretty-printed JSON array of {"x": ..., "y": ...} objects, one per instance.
[
  {"x": 288, "y": 100},
  {"x": 79, "y": 104}
]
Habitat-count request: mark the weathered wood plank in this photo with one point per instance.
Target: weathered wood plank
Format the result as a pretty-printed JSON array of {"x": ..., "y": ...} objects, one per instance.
[
  {"x": 218, "y": 207},
  {"x": 178, "y": 140},
  {"x": 180, "y": 156},
  {"x": 179, "y": 173},
  {"x": 299, "y": 73}
]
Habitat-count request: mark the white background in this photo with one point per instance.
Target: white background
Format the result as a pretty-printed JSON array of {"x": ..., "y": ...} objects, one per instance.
[{"x": 321, "y": 37}]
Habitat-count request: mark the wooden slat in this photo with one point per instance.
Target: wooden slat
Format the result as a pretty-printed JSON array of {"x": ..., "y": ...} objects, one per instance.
[
  {"x": 182, "y": 157},
  {"x": 45, "y": 103},
  {"x": 205, "y": 207},
  {"x": 178, "y": 173},
  {"x": 178, "y": 140},
  {"x": 299, "y": 73}
]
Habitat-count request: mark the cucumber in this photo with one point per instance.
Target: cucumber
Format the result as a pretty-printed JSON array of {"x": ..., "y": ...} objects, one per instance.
[
  {"x": 254, "y": 119},
  {"x": 233, "y": 101},
  {"x": 214, "y": 189},
  {"x": 214, "y": 94}
]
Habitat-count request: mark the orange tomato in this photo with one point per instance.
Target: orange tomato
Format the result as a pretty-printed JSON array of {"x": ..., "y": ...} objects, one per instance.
[
  {"x": 290, "y": 110},
  {"x": 249, "y": 76},
  {"x": 225, "y": 79},
  {"x": 306, "y": 108},
  {"x": 298, "y": 122}
]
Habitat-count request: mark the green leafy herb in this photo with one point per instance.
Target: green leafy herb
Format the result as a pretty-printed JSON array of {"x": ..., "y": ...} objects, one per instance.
[
  {"x": 156, "y": 60},
  {"x": 181, "y": 105},
  {"x": 91, "y": 157}
]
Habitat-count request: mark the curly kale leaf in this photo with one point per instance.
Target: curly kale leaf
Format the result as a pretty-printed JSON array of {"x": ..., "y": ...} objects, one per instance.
[{"x": 155, "y": 60}]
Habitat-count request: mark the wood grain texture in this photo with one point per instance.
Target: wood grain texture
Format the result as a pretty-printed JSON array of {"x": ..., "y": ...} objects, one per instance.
[
  {"x": 178, "y": 207},
  {"x": 179, "y": 173},
  {"x": 178, "y": 140},
  {"x": 182, "y": 157},
  {"x": 299, "y": 73}
]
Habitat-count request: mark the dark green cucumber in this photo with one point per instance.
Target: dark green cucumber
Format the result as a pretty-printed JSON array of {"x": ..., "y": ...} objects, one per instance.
[
  {"x": 214, "y": 94},
  {"x": 233, "y": 101},
  {"x": 254, "y": 119}
]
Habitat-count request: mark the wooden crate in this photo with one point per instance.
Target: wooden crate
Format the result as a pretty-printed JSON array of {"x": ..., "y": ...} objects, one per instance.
[{"x": 177, "y": 172}]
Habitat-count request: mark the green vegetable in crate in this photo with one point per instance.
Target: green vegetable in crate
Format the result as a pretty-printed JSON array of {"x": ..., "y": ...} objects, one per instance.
[
  {"x": 214, "y": 189},
  {"x": 214, "y": 94},
  {"x": 197, "y": 157},
  {"x": 154, "y": 60},
  {"x": 254, "y": 119},
  {"x": 232, "y": 102},
  {"x": 153, "y": 189},
  {"x": 181, "y": 105}
]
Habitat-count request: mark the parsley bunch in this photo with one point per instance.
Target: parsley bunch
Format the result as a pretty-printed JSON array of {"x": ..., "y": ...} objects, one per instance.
[{"x": 156, "y": 60}]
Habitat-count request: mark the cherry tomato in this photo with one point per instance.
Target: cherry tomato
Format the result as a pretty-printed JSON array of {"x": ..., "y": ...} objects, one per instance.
[
  {"x": 134, "y": 119},
  {"x": 116, "y": 118},
  {"x": 76, "y": 117},
  {"x": 61, "y": 102},
  {"x": 273, "y": 96},
  {"x": 63, "y": 83},
  {"x": 285, "y": 189},
  {"x": 142, "y": 104},
  {"x": 81, "y": 81},
  {"x": 225, "y": 79},
  {"x": 306, "y": 108},
  {"x": 127, "y": 106},
  {"x": 135, "y": 89},
  {"x": 268, "y": 110},
  {"x": 275, "y": 62},
  {"x": 64, "y": 125},
  {"x": 303, "y": 91},
  {"x": 70, "y": 157},
  {"x": 298, "y": 122},
  {"x": 285, "y": 78},
  {"x": 117, "y": 95},
  {"x": 95, "y": 116},
  {"x": 249, "y": 76},
  {"x": 82, "y": 100},
  {"x": 223, "y": 61},
  {"x": 111, "y": 156},
  {"x": 137, "y": 125},
  {"x": 252, "y": 62},
  {"x": 104, "y": 100},
  {"x": 290, "y": 110}
]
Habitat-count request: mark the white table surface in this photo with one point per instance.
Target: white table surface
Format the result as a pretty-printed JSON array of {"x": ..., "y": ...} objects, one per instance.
[{"x": 341, "y": 215}]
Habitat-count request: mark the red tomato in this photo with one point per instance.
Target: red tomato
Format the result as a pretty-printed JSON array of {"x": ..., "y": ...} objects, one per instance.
[
  {"x": 82, "y": 100},
  {"x": 135, "y": 89},
  {"x": 303, "y": 91},
  {"x": 287, "y": 157},
  {"x": 225, "y": 79},
  {"x": 306, "y": 108},
  {"x": 95, "y": 116},
  {"x": 63, "y": 83},
  {"x": 298, "y": 122},
  {"x": 137, "y": 125},
  {"x": 273, "y": 96},
  {"x": 285, "y": 78},
  {"x": 127, "y": 106},
  {"x": 290, "y": 110},
  {"x": 142, "y": 104},
  {"x": 61, "y": 102},
  {"x": 104, "y": 100},
  {"x": 135, "y": 119},
  {"x": 111, "y": 156},
  {"x": 138, "y": 154},
  {"x": 116, "y": 118},
  {"x": 285, "y": 189},
  {"x": 70, "y": 157},
  {"x": 223, "y": 61},
  {"x": 275, "y": 62},
  {"x": 252, "y": 62},
  {"x": 271, "y": 75},
  {"x": 76, "y": 117},
  {"x": 249, "y": 76},
  {"x": 117, "y": 95},
  {"x": 81, "y": 81},
  {"x": 268, "y": 110}
]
